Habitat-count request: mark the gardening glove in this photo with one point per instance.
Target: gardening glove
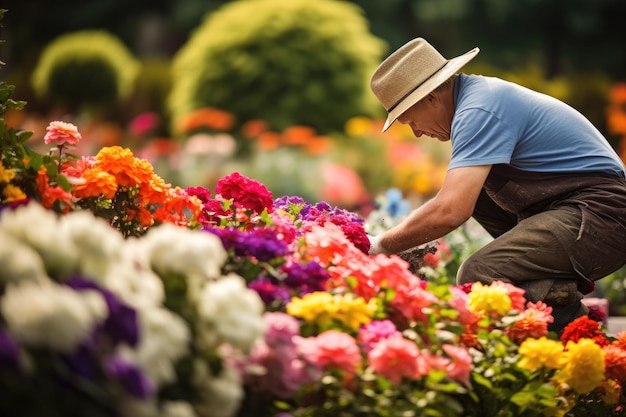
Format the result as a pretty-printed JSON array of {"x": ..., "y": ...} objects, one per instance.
[{"x": 375, "y": 246}]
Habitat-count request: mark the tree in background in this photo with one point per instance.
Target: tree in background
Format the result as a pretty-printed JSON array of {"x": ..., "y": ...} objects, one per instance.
[{"x": 287, "y": 63}]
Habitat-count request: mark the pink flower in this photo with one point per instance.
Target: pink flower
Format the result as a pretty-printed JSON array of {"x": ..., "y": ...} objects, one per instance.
[
  {"x": 460, "y": 367},
  {"x": 395, "y": 358},
  {"x": 373, "y": 332},
  {"x": 332, "y": 349},
  {"x": 459, "y": 303},
  {"x": 144, "y": 123},
  {"x": 411, "y": 299},
  {"x": 61, "y": 133}
]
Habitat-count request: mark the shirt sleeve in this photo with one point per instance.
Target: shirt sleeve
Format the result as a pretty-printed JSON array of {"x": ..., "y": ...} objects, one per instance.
[{"x": 480, "y": 138}]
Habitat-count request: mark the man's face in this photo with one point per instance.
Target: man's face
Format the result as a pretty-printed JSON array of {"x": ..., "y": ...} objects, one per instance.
[{"x": 427, "y": 117}]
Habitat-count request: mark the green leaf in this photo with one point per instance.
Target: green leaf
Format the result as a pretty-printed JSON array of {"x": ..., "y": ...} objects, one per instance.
[{"x": 481, "y": 380}]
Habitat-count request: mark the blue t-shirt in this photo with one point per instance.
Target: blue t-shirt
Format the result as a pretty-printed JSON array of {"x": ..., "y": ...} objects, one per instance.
[{"x": 498, "y": 122}]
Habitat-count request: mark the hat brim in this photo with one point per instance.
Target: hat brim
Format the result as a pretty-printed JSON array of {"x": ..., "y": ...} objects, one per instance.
[{"x": 438, "y": 78}]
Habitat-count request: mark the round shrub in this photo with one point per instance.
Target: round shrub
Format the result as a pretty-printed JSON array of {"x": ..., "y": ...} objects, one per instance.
[
  {"x": 296, "y": 62},
  {"x": 85, "y": 68}
]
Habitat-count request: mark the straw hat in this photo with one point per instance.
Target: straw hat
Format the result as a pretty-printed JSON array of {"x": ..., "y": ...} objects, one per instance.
[{"x": 410, "y": 73}]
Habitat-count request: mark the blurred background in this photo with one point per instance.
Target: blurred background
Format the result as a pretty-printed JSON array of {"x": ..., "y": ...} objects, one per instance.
[{"x": 278, "y": 89}]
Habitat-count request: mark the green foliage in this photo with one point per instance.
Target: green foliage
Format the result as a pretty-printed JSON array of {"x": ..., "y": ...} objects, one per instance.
[
  {"x": 85, "y": 69},
  {"x": 288, "y": 63}
]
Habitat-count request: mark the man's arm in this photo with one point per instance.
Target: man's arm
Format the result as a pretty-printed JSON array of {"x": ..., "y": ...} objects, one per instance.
[{"x": 451, "y": 207}]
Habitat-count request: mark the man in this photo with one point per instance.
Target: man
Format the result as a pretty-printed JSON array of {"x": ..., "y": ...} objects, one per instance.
[{"x": 530, "y": 169}]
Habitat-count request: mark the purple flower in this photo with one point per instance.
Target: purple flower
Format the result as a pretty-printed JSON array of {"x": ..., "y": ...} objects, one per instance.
[
  {"x": 9, "y": 352},
  {"x": 261, "y": 243},
  {"x": 264, "y": 245},
  {"x": 121, "y": 325},
  {"x": 83, "y": 361},
  {"x": 308, "y": 277},
  {"x": 130, "y": 377},
  {"x": 268, "y": 291}
]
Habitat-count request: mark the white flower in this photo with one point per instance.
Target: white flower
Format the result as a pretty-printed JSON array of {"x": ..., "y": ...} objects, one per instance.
[
  {"x": 132, "y": 279},
  {"x": 221, "y": 394},
  {"x": 39, "y": 229},
  {"x": 51, "y": 315},
  {"x": 234, "y": 311},
  {"x": 174, "y": 249},
  {"x": 164, "y": 340},
  {"x": 177, "y": 409},
  {"x": 98, "y": 243},
  {"x": 19, "y": 262}
]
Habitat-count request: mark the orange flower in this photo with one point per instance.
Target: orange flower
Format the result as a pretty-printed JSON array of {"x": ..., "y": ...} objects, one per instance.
[
  {"x": 317, "y": 145},
  {"x": 53, "y": 194},
  {"x": 42, "y": 180},
  {"x": 615, "y": 362},
  {"x": 155, "y": 191},
  {"x": 142, "y": 215},
  {"x": 617, "y": 93},
  {"x": 616, "y": 120},
  {"x": 96, "y": 183},
  {"x": 532, "y": 322},
  {"x": 121, "y": 163},
  {"x": 268, "y": 141},
  {"x": 207, "y": 117},
  {"x": 620, "y": 340},
  {"x": 254, "y": 128},
  {"x": 298, "y": 135}
]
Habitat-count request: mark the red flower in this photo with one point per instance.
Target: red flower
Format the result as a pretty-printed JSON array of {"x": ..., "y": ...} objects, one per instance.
[
  {"x": 584, "y": 328},
  {"x": 245, "y": 192}
]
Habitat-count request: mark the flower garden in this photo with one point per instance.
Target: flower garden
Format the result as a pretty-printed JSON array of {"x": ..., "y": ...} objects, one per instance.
[
  {"x": 122, "y": 295},
  {"x": 243, "y": 291}
]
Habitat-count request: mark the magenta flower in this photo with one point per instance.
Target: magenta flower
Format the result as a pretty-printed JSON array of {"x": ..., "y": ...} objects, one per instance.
[
  {"x": 246, "y": 193},
  {"x": 61, "y": 133}
]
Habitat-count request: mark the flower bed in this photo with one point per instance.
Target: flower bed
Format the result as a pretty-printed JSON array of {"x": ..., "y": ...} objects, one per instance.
[{"x": 126, "y": 296}]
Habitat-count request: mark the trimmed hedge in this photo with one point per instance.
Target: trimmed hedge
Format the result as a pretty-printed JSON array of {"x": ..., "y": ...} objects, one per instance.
[{"x": 89, "y": 68}]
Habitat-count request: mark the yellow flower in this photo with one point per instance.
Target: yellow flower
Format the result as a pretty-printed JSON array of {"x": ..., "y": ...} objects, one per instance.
[
  {"x": 584, "y": 366},
  {"x": 611, "y": 391},
  {"x": 541, "y": 353},
  {"x": 316, "y": 307},
  {"x": 323, "y": 308},
  {"x": 6, "y": 175},
  {"x": 354, "y": 311},
  {"x": 488, "y": 298},
  {"x": 358, "y": 126},
  {"x": 12, "y": 193}
]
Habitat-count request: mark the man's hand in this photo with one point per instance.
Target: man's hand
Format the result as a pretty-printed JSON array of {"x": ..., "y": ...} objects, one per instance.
[{"x": 375, "y": 246}]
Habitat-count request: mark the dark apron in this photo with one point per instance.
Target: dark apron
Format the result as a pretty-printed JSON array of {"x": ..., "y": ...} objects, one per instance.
[{"x": 510, "y": 195}]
